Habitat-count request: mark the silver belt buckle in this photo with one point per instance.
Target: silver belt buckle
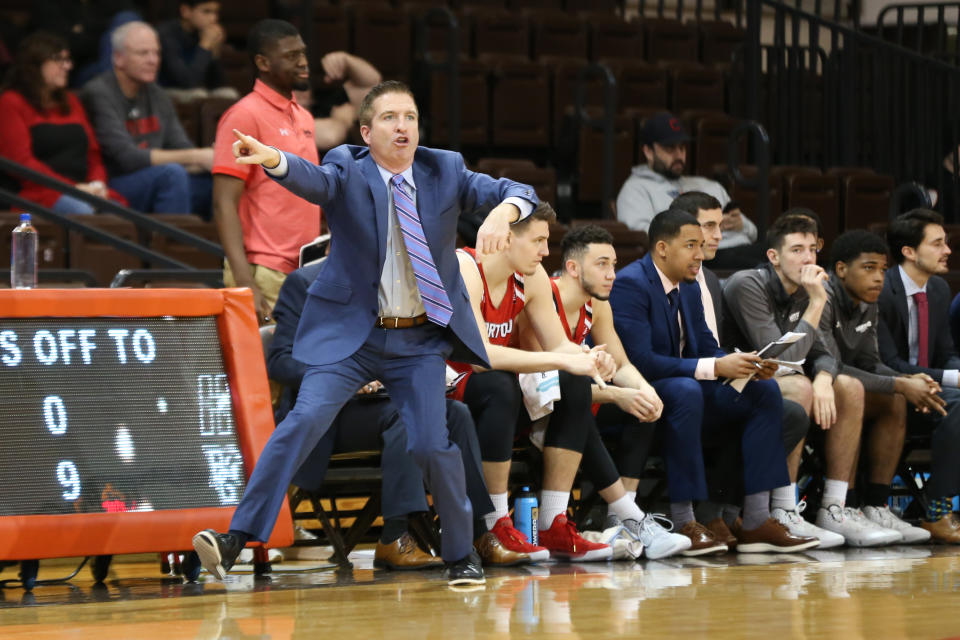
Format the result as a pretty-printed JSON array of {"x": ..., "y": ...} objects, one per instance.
[{"x": 396, "y": 322}]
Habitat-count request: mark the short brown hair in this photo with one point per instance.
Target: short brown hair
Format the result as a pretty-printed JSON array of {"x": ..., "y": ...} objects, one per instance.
[
  {"x": 365, "y": 114},
  {"x": 787, "y": 224},
  {"x": 542, "y": 211}
]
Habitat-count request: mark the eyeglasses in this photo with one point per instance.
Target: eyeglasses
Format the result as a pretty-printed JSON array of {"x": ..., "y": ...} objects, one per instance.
[{"x": 63, "y": 58}]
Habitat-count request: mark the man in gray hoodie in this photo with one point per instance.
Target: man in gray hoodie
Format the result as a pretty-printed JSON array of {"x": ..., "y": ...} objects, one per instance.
[{"x": 652, "y": 187}]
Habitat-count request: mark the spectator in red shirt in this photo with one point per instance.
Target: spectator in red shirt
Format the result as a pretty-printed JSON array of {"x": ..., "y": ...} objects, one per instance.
[{"x": 43, "y": 126}]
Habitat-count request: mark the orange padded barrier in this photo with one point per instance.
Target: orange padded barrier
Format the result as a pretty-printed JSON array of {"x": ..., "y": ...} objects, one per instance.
[{"x": 48, "y": 536}]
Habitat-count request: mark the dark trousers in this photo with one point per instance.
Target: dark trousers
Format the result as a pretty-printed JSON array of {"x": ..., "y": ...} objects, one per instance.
[
  {"x": 166, "y": 188},
  {"x": 411, "y": 364},
  {"x": 367, "y": 424},
  {"x": 695, "y": 407},
  {"x": 945, "y": 445},
  {"x": 723, "y": 458}
]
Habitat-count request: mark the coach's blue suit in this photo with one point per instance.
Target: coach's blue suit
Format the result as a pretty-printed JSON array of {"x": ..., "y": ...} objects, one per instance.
[
  {"x": 337, "y": 338},
  {"x": 641, "y": 315}
]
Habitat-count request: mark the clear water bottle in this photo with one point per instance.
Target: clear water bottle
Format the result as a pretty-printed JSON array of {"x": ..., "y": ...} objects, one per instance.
[
  {"x": 526, "y": 512},
  {"x": 23, "y": 255}
]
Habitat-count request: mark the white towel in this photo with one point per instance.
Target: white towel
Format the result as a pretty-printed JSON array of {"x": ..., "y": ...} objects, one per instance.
[{"x": 540, "y": 391}]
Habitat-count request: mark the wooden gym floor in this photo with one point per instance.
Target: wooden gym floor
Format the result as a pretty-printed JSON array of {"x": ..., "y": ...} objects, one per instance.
[{"x": 896, "y": 592}]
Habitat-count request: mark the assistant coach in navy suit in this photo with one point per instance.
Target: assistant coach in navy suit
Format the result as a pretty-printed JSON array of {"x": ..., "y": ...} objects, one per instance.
[
  {"x": 388, "y": 305},
  {"x": 658, "y": 314}
]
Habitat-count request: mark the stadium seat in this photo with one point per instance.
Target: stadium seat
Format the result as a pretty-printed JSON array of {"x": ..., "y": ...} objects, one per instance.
[
  {"x": 819, "y": 193},
  {"x": 499, "y": 35},
  {"x": 558, "y": 36},
  {"x": 474, "y": 105},
  {"x": 210, "y": 111},
  {"x": 381, "y": 35},
  {"x": 669, "y": 39},
  {"x": 865, "y": 199},
  {"x": 612, "y": 38},
  {"x": 102, "y": 260},
  {"x": 520, "y": 113},
  {"x": 183, "y": 252}
]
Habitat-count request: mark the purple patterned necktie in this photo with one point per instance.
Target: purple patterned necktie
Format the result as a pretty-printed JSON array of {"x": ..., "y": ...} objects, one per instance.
[{"x": 435, "y": 300}]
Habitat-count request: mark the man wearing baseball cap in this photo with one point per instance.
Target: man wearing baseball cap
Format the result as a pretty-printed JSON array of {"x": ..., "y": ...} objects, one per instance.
[{"x": 652, "y": 187}]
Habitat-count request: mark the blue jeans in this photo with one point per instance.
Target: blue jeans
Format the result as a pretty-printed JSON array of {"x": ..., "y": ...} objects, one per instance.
[
  {"x": 69, "y": 204},
  {"x": 166, "y": 188}
]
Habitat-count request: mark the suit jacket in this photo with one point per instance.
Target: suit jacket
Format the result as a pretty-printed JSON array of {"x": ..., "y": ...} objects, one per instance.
[
  {"x": 641, "y": 316},
  {"x": 892, "y": 330},
  {"x": 342, "y": 304}
]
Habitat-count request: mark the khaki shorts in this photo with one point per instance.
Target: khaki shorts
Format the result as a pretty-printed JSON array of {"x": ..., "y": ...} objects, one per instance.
[{"x": 267, "y": 280}]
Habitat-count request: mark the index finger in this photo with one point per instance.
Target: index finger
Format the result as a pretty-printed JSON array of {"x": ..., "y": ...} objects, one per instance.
[
  {"x": 597, "y": 380},
  {"x": 241, "y": 136}
]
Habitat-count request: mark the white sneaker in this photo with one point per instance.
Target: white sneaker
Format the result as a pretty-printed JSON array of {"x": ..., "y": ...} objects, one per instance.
[
  {"x": 889, "y": 520},
  {"x": 855, "y": 533},
  {"x": 893, "y": 536},
  {"x": 658, "y": 542},
  {"x": 798, "y": 526}
]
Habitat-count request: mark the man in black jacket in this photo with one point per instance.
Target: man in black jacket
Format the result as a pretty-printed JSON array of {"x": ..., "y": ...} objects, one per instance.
[{"x": 914, "y": 337}]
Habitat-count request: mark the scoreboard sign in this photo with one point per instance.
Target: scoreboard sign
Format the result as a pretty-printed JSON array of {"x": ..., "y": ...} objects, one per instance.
[{"x": 129, "y": 419}]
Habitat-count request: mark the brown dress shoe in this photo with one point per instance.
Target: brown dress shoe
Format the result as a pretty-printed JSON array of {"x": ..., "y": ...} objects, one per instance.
[
  {"x": 494, "y": 553},
  {"x": 403, "y": 554},
  {"x": 722, "y": 533},
  {"x": 773, "y": 537},
  {"x": 946, "y": 530},
  {"x": 703, "y": 542}
]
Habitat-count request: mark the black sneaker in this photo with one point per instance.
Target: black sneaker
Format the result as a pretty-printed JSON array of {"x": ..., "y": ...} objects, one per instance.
[
  {"x": 217, "y": 551},
  {"x": 465, "y": 571}
]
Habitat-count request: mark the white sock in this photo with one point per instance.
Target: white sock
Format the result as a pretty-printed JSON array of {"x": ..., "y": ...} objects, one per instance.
[
  {"x": 500, "y": 508},
  {"x": 632, "y": 495},
  {"x": 834, "y": 492},
  {"x": 552, "y": 504},
  {"x": 625, "y": 509},
  {"x": 784, "y": 497}
]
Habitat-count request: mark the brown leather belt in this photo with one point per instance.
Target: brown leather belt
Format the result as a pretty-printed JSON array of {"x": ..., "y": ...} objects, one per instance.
[{"x": 401, "y": 323}]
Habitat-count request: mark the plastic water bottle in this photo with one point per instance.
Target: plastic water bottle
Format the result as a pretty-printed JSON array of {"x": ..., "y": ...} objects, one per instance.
[
  {"x": 526, "y": 511},
  {"x": 23, "y": 255}
]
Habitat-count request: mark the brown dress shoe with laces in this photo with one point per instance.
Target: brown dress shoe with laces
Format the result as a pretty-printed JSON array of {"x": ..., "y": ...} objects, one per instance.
[
  {"x": 772, "y": 537},
  {"x": 722, "y": 533},
  {"x": 946, "y": 530},
  {"x": 403, "y": 554},
  {"x": 702, "y": 540},
  {"x": 493, "y": 553}
]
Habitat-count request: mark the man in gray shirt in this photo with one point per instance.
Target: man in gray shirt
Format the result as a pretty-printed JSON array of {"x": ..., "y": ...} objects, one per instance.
[
  {"x": 787, "y": 294},
  {"x": 149, "y": 157},
  {"x": 848, "y": 331}
]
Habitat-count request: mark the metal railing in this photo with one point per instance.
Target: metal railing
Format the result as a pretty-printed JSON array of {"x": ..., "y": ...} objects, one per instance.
[
  {"x": 925, "y": 28},
  {"x": 142, "y": 221}
]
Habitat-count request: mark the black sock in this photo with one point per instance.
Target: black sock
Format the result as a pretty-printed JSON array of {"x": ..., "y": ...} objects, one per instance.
[
  {"x": 876, "y": 494},
  {"x": 479, "y": 528},
  {"x": 242, "y": 536},
  {"x": 852, "y": 499},
  {"x": 393, "y": 528}
]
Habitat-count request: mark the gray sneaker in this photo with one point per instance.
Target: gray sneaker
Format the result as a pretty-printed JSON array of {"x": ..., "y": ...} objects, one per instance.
[
  {"x": 856, "y": 531},
  {"x": 658, "y": 542},
  {"x": 796, "y": 525}
]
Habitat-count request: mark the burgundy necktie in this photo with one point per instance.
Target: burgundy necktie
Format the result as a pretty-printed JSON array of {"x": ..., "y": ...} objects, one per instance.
[{"x": 923, "y": 329}]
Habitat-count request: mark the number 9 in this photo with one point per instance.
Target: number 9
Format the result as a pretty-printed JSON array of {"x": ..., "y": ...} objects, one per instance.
[{"x": 69, "y": 478}]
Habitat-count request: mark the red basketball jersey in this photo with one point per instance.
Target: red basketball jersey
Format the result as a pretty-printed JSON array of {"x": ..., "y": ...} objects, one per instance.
[
  {"x": 584, "y": 323},
  {"x": 500, "y": 320}
]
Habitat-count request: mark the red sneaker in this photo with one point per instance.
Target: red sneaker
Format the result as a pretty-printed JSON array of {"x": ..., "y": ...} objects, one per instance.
[
  {"x": 513, "y": 540},
  {"x": 563, "y": 541}
]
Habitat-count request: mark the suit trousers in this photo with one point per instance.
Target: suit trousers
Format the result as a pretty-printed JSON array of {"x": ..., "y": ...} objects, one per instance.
[
  {"x": 371, "y": 423},
  {"x": 411, "y": 364},
  {"x": 945, "y": 445},
  {"x": 695, "y": 408}
]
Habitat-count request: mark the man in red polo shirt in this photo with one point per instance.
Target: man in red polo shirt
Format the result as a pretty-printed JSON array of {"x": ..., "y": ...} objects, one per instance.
[{"x": 262, "y": 225}]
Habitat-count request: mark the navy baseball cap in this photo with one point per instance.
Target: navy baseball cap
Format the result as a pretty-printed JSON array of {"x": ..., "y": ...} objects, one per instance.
[{"x": 663, "y": 128}]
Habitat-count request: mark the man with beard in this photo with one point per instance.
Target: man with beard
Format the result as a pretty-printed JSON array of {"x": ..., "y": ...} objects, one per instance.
[
  {"x": 651, "y": 188},
  {"x": 261, "y": 224},
  {"x": 914, "y": 337}
]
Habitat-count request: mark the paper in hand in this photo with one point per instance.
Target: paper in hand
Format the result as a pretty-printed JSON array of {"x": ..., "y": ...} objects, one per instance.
[{"x": 770, "y": 352}]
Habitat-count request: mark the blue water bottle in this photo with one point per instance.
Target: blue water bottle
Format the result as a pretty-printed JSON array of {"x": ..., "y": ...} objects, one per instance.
[{"x": 526, "y": 511}]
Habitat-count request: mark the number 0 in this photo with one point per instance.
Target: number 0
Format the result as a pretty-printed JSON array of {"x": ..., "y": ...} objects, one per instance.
[{"x": 55, "y": 415}]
